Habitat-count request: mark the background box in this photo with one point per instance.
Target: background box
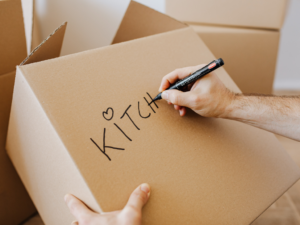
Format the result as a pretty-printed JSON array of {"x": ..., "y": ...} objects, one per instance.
[
  {"x": 15, "y": 203},
  {"x": 268, "y": 14},
  {"x": 250, "y": 55},
  {"x": 19, "y": 33}
]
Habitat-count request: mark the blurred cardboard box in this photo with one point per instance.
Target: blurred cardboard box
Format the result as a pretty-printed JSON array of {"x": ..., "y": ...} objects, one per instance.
[
  {"x": 82, "y": 124},
  {"x": 244, "y": 33},
  {"x": 250, "y": 55},
  {"x": 15, "y": 203},
  {"x": 267, "y": 14}
]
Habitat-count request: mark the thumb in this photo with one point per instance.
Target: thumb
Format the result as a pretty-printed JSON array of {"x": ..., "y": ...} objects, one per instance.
[
  {"x": 139, "y": 197},
  {"x": 77, "y": 207},
  {"x": 178, "y": 97}
]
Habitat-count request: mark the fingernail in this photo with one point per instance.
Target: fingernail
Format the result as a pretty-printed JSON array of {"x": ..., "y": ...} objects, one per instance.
[
  {"x": 165, "y": 95},
  {"x": 145, "y": 188},
  {"x": 180, "y": 112},
  {"x": 66, "y": 197}
]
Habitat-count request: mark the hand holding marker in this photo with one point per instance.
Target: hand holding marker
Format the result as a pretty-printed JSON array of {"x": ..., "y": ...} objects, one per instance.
[{"x": 193, "y": 77}]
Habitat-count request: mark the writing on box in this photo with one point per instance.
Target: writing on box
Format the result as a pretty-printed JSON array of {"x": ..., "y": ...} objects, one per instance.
[{"x": 109, "y": 115}]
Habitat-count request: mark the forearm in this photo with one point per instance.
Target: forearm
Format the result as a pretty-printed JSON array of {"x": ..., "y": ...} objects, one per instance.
[{"x": 280, "y": 115}]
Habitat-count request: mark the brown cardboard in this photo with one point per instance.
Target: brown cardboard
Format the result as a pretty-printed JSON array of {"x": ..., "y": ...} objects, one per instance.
[
  {"x": 267, "y": 14},
  {"x": 201, "y": 170},
  {"x": 50, "y": 48},
  {"x": 12, "y": 41},
  {"x": 250, "y": 55},
  {"x": 15, "y": 203},
  {"x": 150, "y": 22}
]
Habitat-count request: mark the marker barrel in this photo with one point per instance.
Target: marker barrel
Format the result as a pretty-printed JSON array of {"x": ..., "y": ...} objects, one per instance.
[{"x": 197, "y": 75}]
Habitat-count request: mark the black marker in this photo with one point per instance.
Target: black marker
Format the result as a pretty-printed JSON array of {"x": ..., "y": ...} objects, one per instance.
[{"x": 194, "y": 77}]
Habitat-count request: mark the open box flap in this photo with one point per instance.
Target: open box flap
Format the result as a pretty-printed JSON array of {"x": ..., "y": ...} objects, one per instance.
[
  {"x": 141, "y": 21},
  {"x": 12, "y": 36},
  {"x": 49, "y": 48}
]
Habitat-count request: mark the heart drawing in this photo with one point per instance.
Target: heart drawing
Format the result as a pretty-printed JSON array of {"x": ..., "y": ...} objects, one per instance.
[{"x": 108, "y": 114}]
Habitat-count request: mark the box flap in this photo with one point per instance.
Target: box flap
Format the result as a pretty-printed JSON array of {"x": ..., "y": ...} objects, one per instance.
[
  {"x": 141, "y": 21},
  {"x": 201, "y": 170},
  {"x": 49, "y": 48},
  {"x": 12, "y": 41}
]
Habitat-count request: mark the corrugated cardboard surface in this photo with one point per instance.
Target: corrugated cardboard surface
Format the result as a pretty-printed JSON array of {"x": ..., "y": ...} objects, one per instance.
[
  {"x": 140, "y": 21},
  {"x": 50, "y": 48},
  {"x": 243, "y": 13},
  {"x": 202, "y": 171},
  {"x": 15, "y": 204},
  {"x": 12, "y": 33},
  {"x": 56, "y": 170},
  {"x": 286, "y": 210},
  {"x": 250, "y": 55}
]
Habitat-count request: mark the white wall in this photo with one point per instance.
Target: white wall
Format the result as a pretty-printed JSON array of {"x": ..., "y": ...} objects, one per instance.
[
  {"x": 288, "y": 67},
  {"x": 93, "y": 23},
  {"x": 158, "y": 5}
]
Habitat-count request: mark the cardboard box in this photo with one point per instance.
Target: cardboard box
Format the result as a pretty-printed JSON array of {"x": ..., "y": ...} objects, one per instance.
[
  {"x": 81, "y": 124},
  {"x": 15, "y": 203},
  {"x": 250, "y": 55},
  {"x": 267, "y": 14}
]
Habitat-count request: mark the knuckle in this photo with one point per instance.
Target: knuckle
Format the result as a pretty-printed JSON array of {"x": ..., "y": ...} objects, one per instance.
[
  {"x": 72, "y": 205},
  {"x": 85, "y": 220},
  {"x": 140, "y": 196},
  {"x": 177, "y": 70},
  {"x": 175, "y": 73},
  {"x": 174, "y": 98},
  {"x": 131, "y": 211},
  {"x": 195, "y": 99},
  {"x": 132, "y": 214}
]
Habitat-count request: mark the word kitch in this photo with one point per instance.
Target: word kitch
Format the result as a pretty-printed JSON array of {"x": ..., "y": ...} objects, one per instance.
[{"x": 109, "y": 115}]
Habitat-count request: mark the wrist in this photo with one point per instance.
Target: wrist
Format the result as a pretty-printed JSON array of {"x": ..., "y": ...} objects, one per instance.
[{"x": 230, "y": 105}]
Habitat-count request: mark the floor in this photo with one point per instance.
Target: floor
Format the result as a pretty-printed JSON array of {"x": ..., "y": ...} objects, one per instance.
[{"x": 285, "y": 211}]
